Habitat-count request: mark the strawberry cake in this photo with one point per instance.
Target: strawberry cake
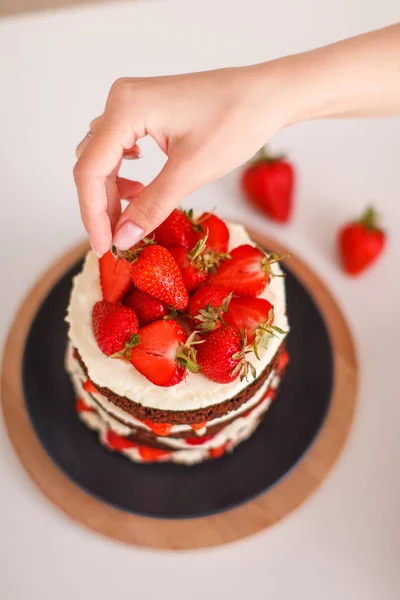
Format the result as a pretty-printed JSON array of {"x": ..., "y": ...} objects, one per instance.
[{"x": 176, "y": 347}]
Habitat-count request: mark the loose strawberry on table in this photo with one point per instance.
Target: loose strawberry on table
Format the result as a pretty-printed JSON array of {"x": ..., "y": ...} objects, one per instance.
[
  {"x": 268, "y": 184},
  {"x": 247, "y": 272},
  {"x": 164, "y": 353},
  {"x": 148, "y": 308},
  {"x": 114, "y": 327},
  {"x": 361, "y": 243},
  {"x": 115, "y": 277},
  {"x": 208, "y": 305}
]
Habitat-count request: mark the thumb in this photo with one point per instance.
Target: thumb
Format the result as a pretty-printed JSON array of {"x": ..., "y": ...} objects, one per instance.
[{"x": 151, "y": 206}]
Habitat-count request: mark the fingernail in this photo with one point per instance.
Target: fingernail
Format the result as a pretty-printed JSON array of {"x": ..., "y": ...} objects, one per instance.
[
  {"x": 135, "y": 156},
  {"x": 98, "y": 254},
  {"x": 128, "y": 235}
]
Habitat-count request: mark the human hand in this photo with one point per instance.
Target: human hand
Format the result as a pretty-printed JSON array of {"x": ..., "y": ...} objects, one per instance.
[{"x": 207, "y": 123}]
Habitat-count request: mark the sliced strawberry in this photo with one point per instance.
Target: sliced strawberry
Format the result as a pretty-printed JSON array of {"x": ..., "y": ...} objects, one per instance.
[
  {"x": 147, "y": 308},
  {"x": 193, "y": 273},
  {"x": 115, "y": 277},
  {"x": 176, "y": 231},
  {"x": 283, "y": 361},
  {"x": 118, "y": 442},
  {"x": 160, "y": 429},
  {"x": 114, "y": 327},
  {"x": 162, "y": 355},
  {"x": 218, "y": 232},
  {"x": 152, "y": 454},
  {"x": 248, "y": 314},
  {"x": 198, "y": 426},
  {"x": 89, "y": 387},
  {"x": 218, "y": 452},
  {"x": 247, "y": 273},
  {"x": 80, "y": 406}
]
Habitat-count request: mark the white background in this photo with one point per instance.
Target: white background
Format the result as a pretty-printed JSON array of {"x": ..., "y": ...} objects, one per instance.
[{"x": 55, "y": 71}]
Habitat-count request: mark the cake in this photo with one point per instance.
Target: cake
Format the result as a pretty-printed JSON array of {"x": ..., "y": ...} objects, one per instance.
[{"x": 203, "y": 399}]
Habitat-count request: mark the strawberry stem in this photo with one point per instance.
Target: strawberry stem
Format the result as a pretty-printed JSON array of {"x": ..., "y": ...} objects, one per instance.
[
  {"x": 369, "y": 219},
  {"x": 186, "y": 354},
  {"x": 126, "y": 350},
  {"x": 210, "y": 315},
  {"x": 263, "y": 156}
]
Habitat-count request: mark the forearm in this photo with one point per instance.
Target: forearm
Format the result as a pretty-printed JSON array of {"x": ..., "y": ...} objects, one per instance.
[{"x": 358, "y": 77}]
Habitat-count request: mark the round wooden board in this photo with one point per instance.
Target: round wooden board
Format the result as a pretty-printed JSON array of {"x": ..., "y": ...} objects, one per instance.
[{"x": 202, "y": 532}]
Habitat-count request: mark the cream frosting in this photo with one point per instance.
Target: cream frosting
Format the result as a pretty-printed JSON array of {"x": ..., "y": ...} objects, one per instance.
[{"x": 123, "y": 379}]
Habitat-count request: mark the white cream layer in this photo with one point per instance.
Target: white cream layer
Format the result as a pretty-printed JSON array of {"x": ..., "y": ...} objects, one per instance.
[{"x": 123, "y": 379}]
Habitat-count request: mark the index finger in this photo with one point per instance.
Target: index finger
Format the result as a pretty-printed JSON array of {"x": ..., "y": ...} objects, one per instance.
[{"x": 95, "y": 177}]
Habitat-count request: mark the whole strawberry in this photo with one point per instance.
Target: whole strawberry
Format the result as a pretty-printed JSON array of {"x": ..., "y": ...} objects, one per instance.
[
  {"x": 164, "y": 353},
  {"x": 115, "y": 277},
  {"x": 247, "y": 272},
  {"x": 176, "y": 231},
  {"x": 222, "y": 356},
  {"x": 208, "y": 305},
  {"x": 361, "y": 243},
  {"x": 155, "y": 271},
  {"x": 114, "y": 327},
  {"x": 268, "y": 184},
  {"x": 148, "y": 308},
  {"x": 191, "y": 266},
  {"x": 216, "y": 231}
]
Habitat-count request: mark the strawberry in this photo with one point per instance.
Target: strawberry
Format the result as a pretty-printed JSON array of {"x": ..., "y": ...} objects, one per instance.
[
  {"x": 147, "y": 308},
  {"x": 118, "y": 442},
  {"x": 217, "y": 231},
  {"x": 247, "y": 273},
  {"x": 255, "y": 317},
  {"x": 208, "y": 305},
  {"x": 115, "y": 327},
  {"x": 115, "y": 277},
  {"x": 222, "y": 357},
  {"x": 164, "y": 353},
  {"x": 283, "y": 360},
  {"x": 360, "y": 243},
  {"x": 152, "y": 454},
  {"x": 198, "y": 441},
  {"x": 80, "y": 406},
  {"x": 176, "y": 231},
  {"x": 161, "y": 429},
  {"x": 89, "y": 387},
  {"x": 198, "y": 426},
  {"x": 192, "y": 269},
  {"x": 217, "y": 452},
  {"x": 268, "y": 184},
  {"x": 154, "y": 270}
]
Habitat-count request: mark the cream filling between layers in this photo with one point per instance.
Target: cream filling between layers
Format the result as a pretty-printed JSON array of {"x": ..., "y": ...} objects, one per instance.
[{"x": 123, "y": 379}]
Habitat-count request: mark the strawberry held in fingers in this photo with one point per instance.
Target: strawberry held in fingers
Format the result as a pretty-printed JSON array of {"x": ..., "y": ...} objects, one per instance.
[
  {"x": 176, "y": 231},
  {"x": 268, "y": 184},
  {"x": 115, "y": 327},
  {"x": 148, "y": 308},
  {"x": 154, "y": 270},
  {"x": 247, "y": 272},
  {"x": 361, "y": 243},
  {"x": 222, "y": 356},
  {"x": 115, "y": 277},
  {"x": 164, "y": 353}
]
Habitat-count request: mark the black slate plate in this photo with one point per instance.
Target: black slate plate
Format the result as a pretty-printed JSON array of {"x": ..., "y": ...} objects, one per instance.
[{"x": 167, "y": 490}]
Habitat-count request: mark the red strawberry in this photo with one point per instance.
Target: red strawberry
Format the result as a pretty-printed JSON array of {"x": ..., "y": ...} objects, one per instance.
[
  {"x": 222, "y": 358},
  {"x": 198, "y": 441},
  {"x": 254, "y": 317},
  {"x": 176, "y": 231},
  {"x": 154, "y": 270},
  {"x": 118, "y": 442},
  {"x": 192, "y": 270},
  {"x": 114, "y": 326},
  {"x": 147, "y": 308},
  {"x": 247, "y": 273},
  {"x": 115, "y": 277},
  {"x": 80, "y": 406},
  {"x": 159, "y": 428},
  {"x": 268, "y": 184},
  {"x": 217, "y": 452},
  {"x": 164, "y": 353},
  {"x": 152, "y": 454},
  {"x": 208, "y": 305},
  {"x": 218, "y": 232},
  {"x": 360, "y": 243},
  {"x": 283, "y": 361},
  {"x": 198, "y": 426},
  {"x": 89, "y": 387}
]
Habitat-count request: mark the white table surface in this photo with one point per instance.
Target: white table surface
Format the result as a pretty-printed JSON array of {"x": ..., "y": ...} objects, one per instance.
[{"x": 55, "y": 71}]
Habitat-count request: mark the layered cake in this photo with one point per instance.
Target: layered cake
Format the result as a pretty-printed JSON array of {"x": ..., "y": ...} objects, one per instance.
[{"x": 176, "y": 347}]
